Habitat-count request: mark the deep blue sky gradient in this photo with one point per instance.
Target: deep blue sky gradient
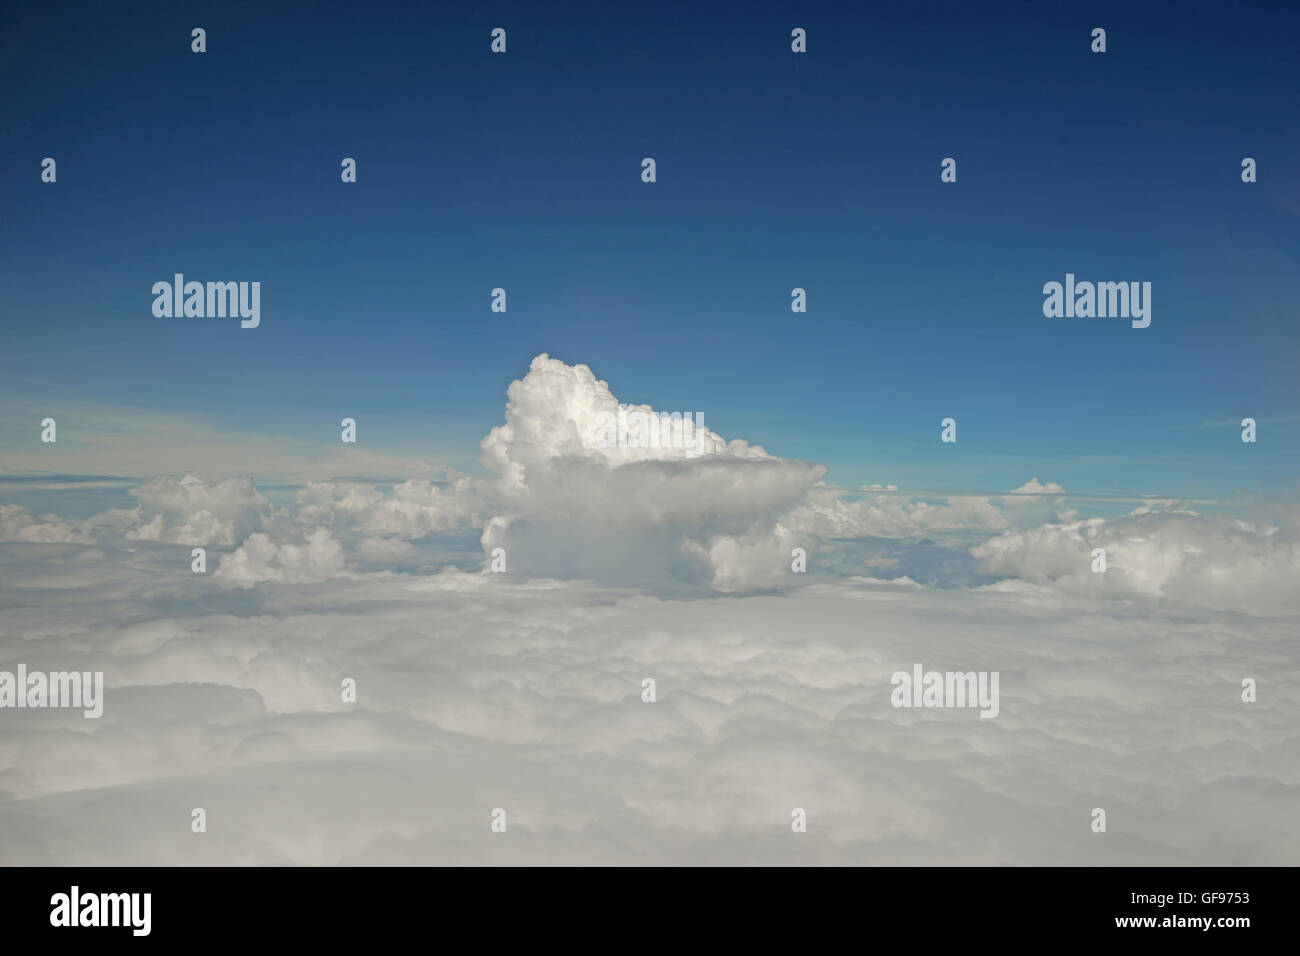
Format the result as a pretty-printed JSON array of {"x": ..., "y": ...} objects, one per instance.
[{"x": 775, "y": 170}]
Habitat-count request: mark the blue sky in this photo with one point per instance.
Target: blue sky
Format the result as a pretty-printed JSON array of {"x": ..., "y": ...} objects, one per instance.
[{"x": 775, "y": 170}]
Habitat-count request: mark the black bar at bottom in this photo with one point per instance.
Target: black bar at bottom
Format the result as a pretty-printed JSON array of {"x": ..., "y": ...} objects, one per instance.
[{"x": 644, "y": 907}]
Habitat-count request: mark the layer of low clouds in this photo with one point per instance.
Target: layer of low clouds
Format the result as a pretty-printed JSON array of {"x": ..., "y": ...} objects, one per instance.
[{"x": 478, "y": 691}]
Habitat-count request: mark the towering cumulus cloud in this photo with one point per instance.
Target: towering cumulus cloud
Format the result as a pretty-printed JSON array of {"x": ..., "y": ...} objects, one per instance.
[
  {"x": 571, "y": 501},
  {"x": 581, "y": 486}
]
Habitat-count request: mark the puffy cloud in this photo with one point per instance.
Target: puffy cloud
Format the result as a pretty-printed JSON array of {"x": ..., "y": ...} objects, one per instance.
[
  {"x": 1172, "y": 555},
  {"x": 560, "y": 411},
  {"x": 190, "y": 511},
  {"x": 18, "y": 524},
  {"x": 418, "y": 507},
  {"x": 260, "y": 559}
]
